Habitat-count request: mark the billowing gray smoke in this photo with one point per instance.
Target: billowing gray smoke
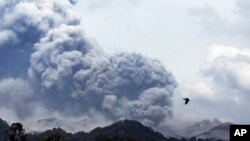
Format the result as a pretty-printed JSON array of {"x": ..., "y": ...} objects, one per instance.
[{"x": 46, "y": 61}]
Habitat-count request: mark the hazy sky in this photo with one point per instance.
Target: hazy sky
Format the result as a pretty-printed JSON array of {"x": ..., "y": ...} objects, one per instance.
[{"x": 203, "y": 42}]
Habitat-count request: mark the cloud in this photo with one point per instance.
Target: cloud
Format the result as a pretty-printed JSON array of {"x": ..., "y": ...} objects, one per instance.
[
  {"x": 73, "y": 1},
  {"x": 95, "y": 5},
  {"x": 243, "y": 7},
  {"x": 223, "y": 83},
  {"x": 225, "y": 71},
  {"x": 152, "y": 107},
  {"x": 228, "y": 66},
  {"x": 51, "y": 68},
  {"x": 201, "y": 90},
  {"x": 206, "y": 13},
  {"x": 16, "y": 94},
  {"x": 232, "y": 21},
  {"x": 7, "y": 36},
  {"x": 23, "y": 24}
]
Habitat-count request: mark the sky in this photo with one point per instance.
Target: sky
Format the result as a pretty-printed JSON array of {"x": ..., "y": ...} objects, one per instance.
[
  {"x": 172, "y": 31},
  {"x": 189, "y": 37},
  {"x": 94, "y": 62}
]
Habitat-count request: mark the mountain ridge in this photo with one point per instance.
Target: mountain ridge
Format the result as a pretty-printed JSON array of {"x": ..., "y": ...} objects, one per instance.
[
  {"x": 125, "y": 130},
  {"x": 219, "y": 132}
]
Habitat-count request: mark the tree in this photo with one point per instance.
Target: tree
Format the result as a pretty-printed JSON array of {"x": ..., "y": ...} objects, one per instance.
[
  {"x": 17, "y": 133},
  {"x": 54, "y": 137},
  {"x": 102, "y": 137},
  {"x": 126, "y": 138}
]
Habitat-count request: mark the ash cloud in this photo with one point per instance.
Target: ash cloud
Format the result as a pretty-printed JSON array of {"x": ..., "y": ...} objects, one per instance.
[
  {"x": 47, "y": 61},
  {"x": 15, "y": 94},
  {"x": 24, "y": 23}
]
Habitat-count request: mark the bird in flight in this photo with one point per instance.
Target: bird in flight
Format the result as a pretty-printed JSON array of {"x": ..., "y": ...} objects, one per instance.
[{"x": 186, "y": 100}]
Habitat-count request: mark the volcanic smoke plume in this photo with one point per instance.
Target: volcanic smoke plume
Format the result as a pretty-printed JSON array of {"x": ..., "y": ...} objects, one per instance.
[{"x": 47, "y": 65}]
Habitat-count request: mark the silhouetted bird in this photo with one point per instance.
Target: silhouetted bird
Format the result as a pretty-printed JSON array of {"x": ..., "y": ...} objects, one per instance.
[{"x": 186, "y": 100}]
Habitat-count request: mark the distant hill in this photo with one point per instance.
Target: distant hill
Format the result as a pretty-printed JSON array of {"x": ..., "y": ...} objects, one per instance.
[
  {"x": 4, "y": 128},
  {"x": 219, "y": 132},
  {"x": 46, "y": 124},
  {"x": 123, "y": 129},
  {"x": 128, "y": 127},
  {"x": 201, "y": 126},
  {"x": 126, "y": 130}
]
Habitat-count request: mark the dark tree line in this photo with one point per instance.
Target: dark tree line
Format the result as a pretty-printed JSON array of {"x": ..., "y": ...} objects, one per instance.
[{"x": 116, "y": 132}]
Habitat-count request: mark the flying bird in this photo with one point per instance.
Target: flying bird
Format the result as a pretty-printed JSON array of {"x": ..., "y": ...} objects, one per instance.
[{"x": 186, "y": 100}]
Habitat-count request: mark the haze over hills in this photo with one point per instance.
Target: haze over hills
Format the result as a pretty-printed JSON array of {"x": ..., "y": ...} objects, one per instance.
[
  {"x": 46, "y": 124},
  {"x": 201, "y": 126},
  {"x": 219, "y": 132},
  {"x": 75, "y": 126},
  {"x": 127, "y": 129}
]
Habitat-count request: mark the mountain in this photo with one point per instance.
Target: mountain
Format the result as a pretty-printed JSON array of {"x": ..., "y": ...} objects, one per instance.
[
  {"x": 72, "y": 125},
  {"x": 126, "y": 130},
  {"x": 43, "y": 136},
  {"x": 202, "y": 126},
  {"x": 46, "y": 124},
  {"x": 133, "y": 130},
  {"x": 219, "y": 132},
  {"x": 4, "y": 128},
  {"x": 128, "y": 127}
]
